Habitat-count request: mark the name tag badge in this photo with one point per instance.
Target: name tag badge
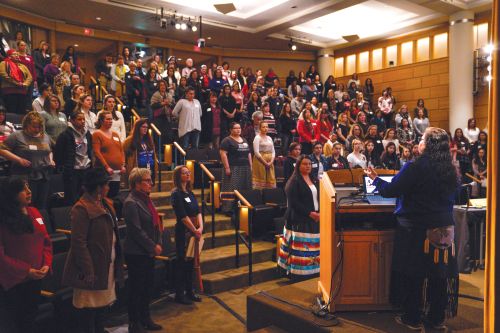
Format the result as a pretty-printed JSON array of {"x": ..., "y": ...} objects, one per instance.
[
  {"x": 116, "y": 138},
  {"x": 39, "y": 220},
  {"x": 335, "y": 165},
  {"x": 187, "y": 200},
  {"x": 315, "y": 165},
  {"x": 62, "y": 119},
  {"x": 209, "y": 110},
  {"x": 294, "y": 164},
  {"x": 32, "y": 147},
  {"x": 378, "y": 141}
]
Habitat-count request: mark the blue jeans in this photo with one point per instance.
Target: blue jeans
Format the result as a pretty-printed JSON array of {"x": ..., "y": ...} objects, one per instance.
[{"x": 192, "y": 137}]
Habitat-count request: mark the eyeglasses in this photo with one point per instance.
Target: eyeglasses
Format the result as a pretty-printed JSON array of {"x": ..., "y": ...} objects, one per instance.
[{"x": 186, "y": 173}]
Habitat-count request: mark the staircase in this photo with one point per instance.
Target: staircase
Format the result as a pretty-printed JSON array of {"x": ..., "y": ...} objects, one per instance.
[{"x": 218, "y": 262}]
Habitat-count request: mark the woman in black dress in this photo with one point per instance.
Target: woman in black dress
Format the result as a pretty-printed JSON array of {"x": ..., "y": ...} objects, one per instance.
[
  {"x": 299, "y": 253},
  {"x": 424, "y": 261},
  {"x": 237, "y": 161},
  {"x": 189, "y": 224}
]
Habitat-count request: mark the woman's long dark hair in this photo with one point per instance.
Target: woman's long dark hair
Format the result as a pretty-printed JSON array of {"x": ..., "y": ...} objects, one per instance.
[
  {"x": 296, "y": 172},
  {"x": 10, "y": 211},
  {"x": 437, "y": 153},
  {"x": 136, "y": 136}
]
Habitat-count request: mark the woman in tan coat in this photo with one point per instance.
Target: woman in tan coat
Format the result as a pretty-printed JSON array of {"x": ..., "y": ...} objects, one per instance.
[
  {"x": 139, "y": 150},
  {"x": 94, "y": 263}
]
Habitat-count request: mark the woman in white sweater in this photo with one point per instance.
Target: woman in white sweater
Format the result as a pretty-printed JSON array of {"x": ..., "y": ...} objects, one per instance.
[
  {"x": 263, "y": 160},
  {"x": 118, "y": 121}
]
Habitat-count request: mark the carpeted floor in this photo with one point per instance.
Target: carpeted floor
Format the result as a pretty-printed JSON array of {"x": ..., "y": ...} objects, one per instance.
[{"x": 226, "y": 311}]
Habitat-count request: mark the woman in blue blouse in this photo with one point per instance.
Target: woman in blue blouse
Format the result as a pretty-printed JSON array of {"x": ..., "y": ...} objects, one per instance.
[
  {"x": 189, "y": 224},
  {"x": 424, "y": 261}
]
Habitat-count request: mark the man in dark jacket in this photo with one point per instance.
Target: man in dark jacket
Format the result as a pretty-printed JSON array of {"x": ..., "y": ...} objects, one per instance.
[{"x": 73, "y": 155}]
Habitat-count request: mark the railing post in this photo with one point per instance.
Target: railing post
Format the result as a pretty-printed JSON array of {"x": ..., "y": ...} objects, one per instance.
[
  {"x": 250, "y": 245},
  {"x": 236, "y": 212},
  {"x": 212, "y": 190},
  {"x": 203, "y": 200},
  {"x": 160, "y": 159}
]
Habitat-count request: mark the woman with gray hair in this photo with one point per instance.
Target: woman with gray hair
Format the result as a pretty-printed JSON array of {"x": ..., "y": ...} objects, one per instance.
[
  {"x": 252, "y": 129},
  {"x": 142, "y": 244}
]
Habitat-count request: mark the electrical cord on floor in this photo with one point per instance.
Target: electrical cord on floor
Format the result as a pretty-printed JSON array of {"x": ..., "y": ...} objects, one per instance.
[{"x": 334, "y": 319}]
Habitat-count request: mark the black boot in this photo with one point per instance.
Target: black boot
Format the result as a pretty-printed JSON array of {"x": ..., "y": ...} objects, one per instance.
[
  {"x": 150, "y": 325},
  {"x": 135, "y": 327}
]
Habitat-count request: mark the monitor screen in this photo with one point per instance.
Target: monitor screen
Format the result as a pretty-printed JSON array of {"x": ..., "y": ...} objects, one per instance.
[{"x": 370, "y": 188}]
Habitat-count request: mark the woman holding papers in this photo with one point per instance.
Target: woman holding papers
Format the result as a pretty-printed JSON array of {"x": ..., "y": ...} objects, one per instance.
[{"x": 189, "y": 224}]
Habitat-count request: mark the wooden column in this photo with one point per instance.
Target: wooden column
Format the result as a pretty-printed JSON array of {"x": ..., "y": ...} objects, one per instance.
[
  {"x": 491, "y": 290},
  {"x": 52, "y": 41}
]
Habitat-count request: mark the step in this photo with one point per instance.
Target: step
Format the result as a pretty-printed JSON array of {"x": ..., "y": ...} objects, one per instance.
[
  {"x": 222, "y": 258},
  {"x": 238, "y": 277},
  {"x": 222, "y": 222},
  {"x": 222, "y": 238},
  {"x": 270, "y": 329},
  {"x": 166, "y": 186},
  {"x": 169, "y": 212}
]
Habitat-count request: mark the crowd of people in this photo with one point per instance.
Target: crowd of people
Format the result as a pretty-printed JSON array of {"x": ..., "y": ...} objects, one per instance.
[{"x": 257, "y": 122}]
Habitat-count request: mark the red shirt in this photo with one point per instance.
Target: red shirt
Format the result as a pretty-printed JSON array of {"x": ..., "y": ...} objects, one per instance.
[
  {"x": 307, "y": 133},
  {"x": 20, "y": 252},
  {"x": 325, "y": 128}
]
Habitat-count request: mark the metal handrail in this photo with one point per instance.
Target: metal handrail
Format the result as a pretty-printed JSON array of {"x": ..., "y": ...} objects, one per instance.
[
  {"x": 212, "y": 196},
  {"x": 182, "y": 151},
  {"x": 240, "y": 236},
  {"x": 242, "y": 199},
  {"x": 206, "y": 171},
  {"x": 159, "y": 153}
]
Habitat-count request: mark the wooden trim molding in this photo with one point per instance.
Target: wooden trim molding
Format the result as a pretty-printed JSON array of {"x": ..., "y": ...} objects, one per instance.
[{"x": 56, "y": 26}]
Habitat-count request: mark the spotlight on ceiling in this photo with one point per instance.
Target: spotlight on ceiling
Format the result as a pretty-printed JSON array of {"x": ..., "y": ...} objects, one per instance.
[
  {"x": 194, "y": 28},
  {"x": 183, "y": 26},
  {"x": 291, "y": 45},
  {"x": 177, "y": 25}
]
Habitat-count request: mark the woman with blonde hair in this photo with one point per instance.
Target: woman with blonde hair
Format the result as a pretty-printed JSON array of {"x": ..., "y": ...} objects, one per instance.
[
  {"x": 31, "y": 153},
  {"x": 61, "y": 80}
]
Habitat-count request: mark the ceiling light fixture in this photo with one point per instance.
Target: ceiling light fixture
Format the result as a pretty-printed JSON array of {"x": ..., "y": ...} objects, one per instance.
[
  {"x": 291, "y": 45},
  {"x": 179, "y": 22},
  {"x": 98, "y": 18}
]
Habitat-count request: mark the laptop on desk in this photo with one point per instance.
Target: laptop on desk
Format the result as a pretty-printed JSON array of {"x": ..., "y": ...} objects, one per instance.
[{"x": 371, "y": 193}]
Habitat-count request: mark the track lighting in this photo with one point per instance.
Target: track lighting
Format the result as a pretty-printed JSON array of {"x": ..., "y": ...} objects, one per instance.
[{"x": 291, "y": 45}]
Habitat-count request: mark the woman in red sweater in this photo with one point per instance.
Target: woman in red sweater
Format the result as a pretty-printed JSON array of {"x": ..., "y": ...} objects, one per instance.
[
  {"x": 25, "y": 256},
  {"x": 308, "y": 131}
]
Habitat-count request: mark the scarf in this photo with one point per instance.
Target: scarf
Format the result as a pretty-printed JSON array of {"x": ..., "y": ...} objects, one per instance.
[
  {"x": 13, "y": 69},
  {"x": 154, "y": 213}
]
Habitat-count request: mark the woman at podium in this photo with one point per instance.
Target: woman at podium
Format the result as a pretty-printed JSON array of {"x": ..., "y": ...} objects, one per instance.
[
  {"x": 299, "y": 251},
  {"x": 424, "y": 267}
]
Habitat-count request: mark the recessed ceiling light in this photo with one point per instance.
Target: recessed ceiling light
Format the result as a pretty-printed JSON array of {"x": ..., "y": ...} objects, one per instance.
[
  {"x": 76, "y": 45},
  {"x": 209, "y": 37},
  {"x": 294, "y": 7},
  {"x": 98, "y": 18}
]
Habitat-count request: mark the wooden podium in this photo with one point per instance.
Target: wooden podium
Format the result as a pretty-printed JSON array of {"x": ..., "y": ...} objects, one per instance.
[{"x": 361, "y": 281}]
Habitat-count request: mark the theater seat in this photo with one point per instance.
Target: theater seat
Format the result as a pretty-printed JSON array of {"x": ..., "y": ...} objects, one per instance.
[
  {"x": 263, "y": 214},
  {"x": 61, "y": 219},
  {"x": 275, "y": 197}
]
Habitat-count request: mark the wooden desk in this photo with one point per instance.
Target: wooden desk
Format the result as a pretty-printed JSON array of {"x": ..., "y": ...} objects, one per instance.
[{"x": 364, "y": 275}]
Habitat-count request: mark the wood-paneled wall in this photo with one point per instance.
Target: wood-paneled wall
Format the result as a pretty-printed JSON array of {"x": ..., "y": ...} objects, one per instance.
[{"x": 427, "y": 80}]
